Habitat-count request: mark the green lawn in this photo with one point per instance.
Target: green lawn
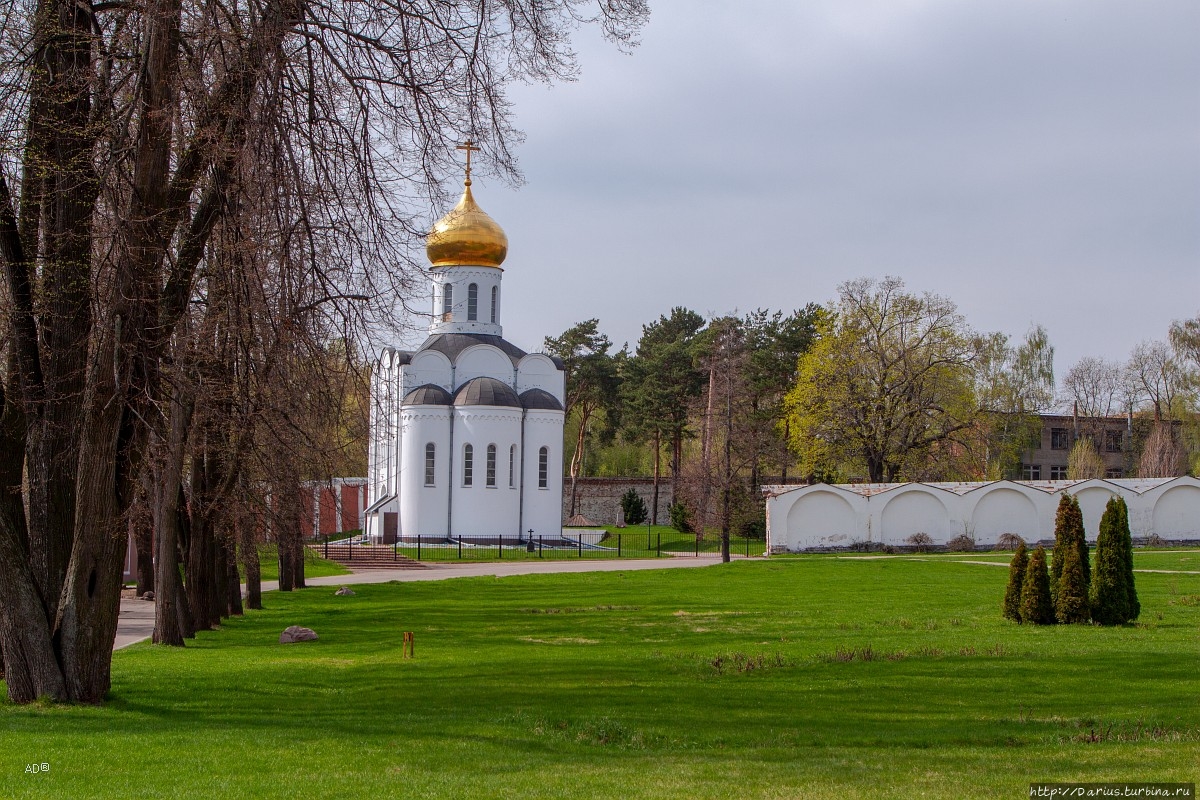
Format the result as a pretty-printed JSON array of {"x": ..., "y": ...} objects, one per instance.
[{"x": 790, "y": 678}]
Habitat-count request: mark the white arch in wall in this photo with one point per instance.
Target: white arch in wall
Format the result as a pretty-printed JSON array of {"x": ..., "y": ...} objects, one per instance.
[
  {"x": 1004, "y": 509},
  {"x": 482, "y": 360},
  {"x": 428, "y": 366},
  {"x": 1093, "y": 496},
  {"x": 1177, "y": 512},
  {"x": 914, "y": 509},
  {"x": 821, "y": 517}
]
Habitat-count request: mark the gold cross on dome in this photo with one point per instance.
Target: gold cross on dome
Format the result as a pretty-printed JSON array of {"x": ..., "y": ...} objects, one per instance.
[{"x": 470, "y": 147}]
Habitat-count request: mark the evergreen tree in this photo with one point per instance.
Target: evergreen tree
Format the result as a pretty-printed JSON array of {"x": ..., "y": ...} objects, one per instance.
[
  {"x": 1016, "y": 578},
  {"x": 1035, "y": 591},
  {"x": 1113, "y": 595},
  {"x": 634, "y": 507},
  {"x": 1069, "y": 535},
  {"x": 1071, "y": 596}
]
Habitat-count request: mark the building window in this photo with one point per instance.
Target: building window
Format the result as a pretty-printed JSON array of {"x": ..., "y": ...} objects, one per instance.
[
  {"x": 1058, "y": 472},
  {"x": 468, "y": 464},
  {"x": 543, "y": 468},
  {"x": 512, "y": 466},
  {"x": 1031, "y": 472},
  {"x": 1060, "y": 439},
  {"x": 472, "y": 302},
  {"x": 491, "y": 466},
  {"x": 430, "y": 461},
  {"x": 447, "y": 301},
  {"x": 1113, "y": 441},
  {"x": 495, "y": 291},
  {"x": 1112, "y": 473}
]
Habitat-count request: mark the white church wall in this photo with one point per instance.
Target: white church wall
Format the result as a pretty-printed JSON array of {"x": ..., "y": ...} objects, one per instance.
[
  {"x": 826, "y": 517},
  {"x": 428, "y": 366},
  {"x": 1003, "y": 507},
  {"x": 537, "y": 371},
  {"x": 482, "y": 360},
  {"x": 541, "y": 509},
  {"x": 479, "y": 510},
  {"x": 423, "y": 508},
  {"x": 912, "y": 509}
]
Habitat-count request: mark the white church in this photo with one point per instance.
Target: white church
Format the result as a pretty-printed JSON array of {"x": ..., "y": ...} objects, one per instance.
[{"x": 466, "y": 433}]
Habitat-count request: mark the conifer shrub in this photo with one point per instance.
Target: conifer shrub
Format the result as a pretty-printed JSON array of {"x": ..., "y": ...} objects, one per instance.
[
  {"x": 1068, "y": 535},
  {"x": 680, "y": 520},
  {"x": 1016, "y": 578},
  {"x": 1036, "y": 607},
  {"x": 1113, "y": 595},
  {"x": 1071, "y": 604},
  {"x": 634, "y": 507}
]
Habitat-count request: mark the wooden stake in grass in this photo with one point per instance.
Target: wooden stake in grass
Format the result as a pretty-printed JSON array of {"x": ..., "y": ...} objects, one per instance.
[
  {"x": 1016, "y": 578},
  {"x": 1035, "y": 591},
  {"x": 407, "y": 650}
]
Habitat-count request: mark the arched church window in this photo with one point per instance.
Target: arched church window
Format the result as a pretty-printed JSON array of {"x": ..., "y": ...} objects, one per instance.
[
  {"x": 491, "y": 465},
  {"x": 468, "y": 464},
  {"x": 495, "y": 289},
  {"x": 430, "y": 461},
  {"x": 543, "y": 468},
  {"x": 473, "y": 302},
  {"x": 512, "y": 466},
  {"x": 447, "y": 301}
]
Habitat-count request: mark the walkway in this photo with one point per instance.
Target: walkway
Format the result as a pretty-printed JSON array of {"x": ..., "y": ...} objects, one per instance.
[{"x": 136, "y": 622}]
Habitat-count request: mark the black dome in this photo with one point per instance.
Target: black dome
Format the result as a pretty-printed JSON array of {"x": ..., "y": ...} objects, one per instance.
[
  {"x": 427, "y": 395},
  {"x": 486, "y": 392},
  {"x": 540, "y": 399}
]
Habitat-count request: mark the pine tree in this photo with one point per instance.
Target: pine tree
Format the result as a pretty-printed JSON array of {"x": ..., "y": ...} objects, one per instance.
[
  {"x": 634, "y": 507},
  {"x": 1035, "y": 591},
  {"x": 1016, "y": 577},
  {"x": 1071, "y": 599},
  {"x": 1113, "y": 595}
]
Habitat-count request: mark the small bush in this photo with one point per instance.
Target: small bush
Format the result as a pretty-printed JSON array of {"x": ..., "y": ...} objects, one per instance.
[
  {"x": 634, "y": 508},
  {"x": 920, "y": 541},
  {"x": 1009, "y": 541},
  {"x": 962, "y": 543}
]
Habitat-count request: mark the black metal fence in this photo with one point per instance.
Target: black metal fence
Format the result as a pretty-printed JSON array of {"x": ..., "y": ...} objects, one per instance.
[{"x": 500, "y": 548}]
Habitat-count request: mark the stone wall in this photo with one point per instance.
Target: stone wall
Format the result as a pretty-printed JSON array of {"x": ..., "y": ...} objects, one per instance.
[{"x": 599, "y": 499}]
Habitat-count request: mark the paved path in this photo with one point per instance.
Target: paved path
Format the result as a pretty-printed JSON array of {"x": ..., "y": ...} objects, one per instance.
[{"x": 136, "y": 622}]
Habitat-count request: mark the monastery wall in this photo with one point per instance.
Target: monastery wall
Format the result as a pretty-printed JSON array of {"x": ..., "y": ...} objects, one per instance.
[{"x": 599, "y": 499}]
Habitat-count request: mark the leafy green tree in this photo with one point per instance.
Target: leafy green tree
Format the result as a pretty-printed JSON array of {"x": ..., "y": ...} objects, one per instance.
[
  {"x": 592, "y": 384},
  {"x": 633, "y": 507},
  {"x": 890, "y": 379},
  {"x": 1036, "y": 606},
  {"x": 1013, "y": 386},
  {"x": 1113, "y": 594},
  {"x": 1016, "y": 579}
]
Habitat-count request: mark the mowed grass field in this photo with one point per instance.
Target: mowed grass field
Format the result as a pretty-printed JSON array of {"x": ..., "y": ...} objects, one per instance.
[{"x": 808, "y": 677}]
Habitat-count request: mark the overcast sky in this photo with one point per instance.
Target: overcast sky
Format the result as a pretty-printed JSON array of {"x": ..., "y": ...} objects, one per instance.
[{"x": 1034, "y": 161}]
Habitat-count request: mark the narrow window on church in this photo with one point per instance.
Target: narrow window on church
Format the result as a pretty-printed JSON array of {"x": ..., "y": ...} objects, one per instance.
[
  {"x": 512, "y": 464},
  {"x": 543, "y": 468},
  {"x": 472, "y": 302},
  {"x": 430, "y": 453},
  {"x": 468, "y": 464},
  {"x": 491, "y": 465},
  {"x": 447, "y": 301},
  {"x": 494, "y": 290}
]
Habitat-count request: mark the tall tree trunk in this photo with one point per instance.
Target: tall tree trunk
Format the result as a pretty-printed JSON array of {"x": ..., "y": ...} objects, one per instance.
[
  {"x": 168, "y": 613},
  {"x": 657, "y": 461}
]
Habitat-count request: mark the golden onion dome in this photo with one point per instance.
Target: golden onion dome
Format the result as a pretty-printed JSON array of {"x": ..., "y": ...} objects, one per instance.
[{"x": 466, "y": 237}]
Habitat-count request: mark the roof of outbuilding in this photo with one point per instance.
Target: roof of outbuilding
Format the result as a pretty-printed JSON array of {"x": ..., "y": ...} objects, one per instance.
[
  {"x": 540, "y": 399},
  {"x": 486, "y": 391},
  {"x": 427, "y": 395}
]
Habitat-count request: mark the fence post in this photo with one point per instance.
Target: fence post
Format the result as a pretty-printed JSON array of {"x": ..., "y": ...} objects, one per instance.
[
  {"x": 580, "y": 543},
  {"x": 350, "y": 549},
  {"x": 658, "y": 546},
  {"x": 618, "y": 545},
  {"x": 697, "y": 545},
  {"x": 460, "y": 548},
  {"x": 500, "y": 547},
  {"x": 539, "y": 547},
  {"x": 418, "y": 547},
  {"x": 326, "y": 548},
  {"x": 395, "y": 549}
]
